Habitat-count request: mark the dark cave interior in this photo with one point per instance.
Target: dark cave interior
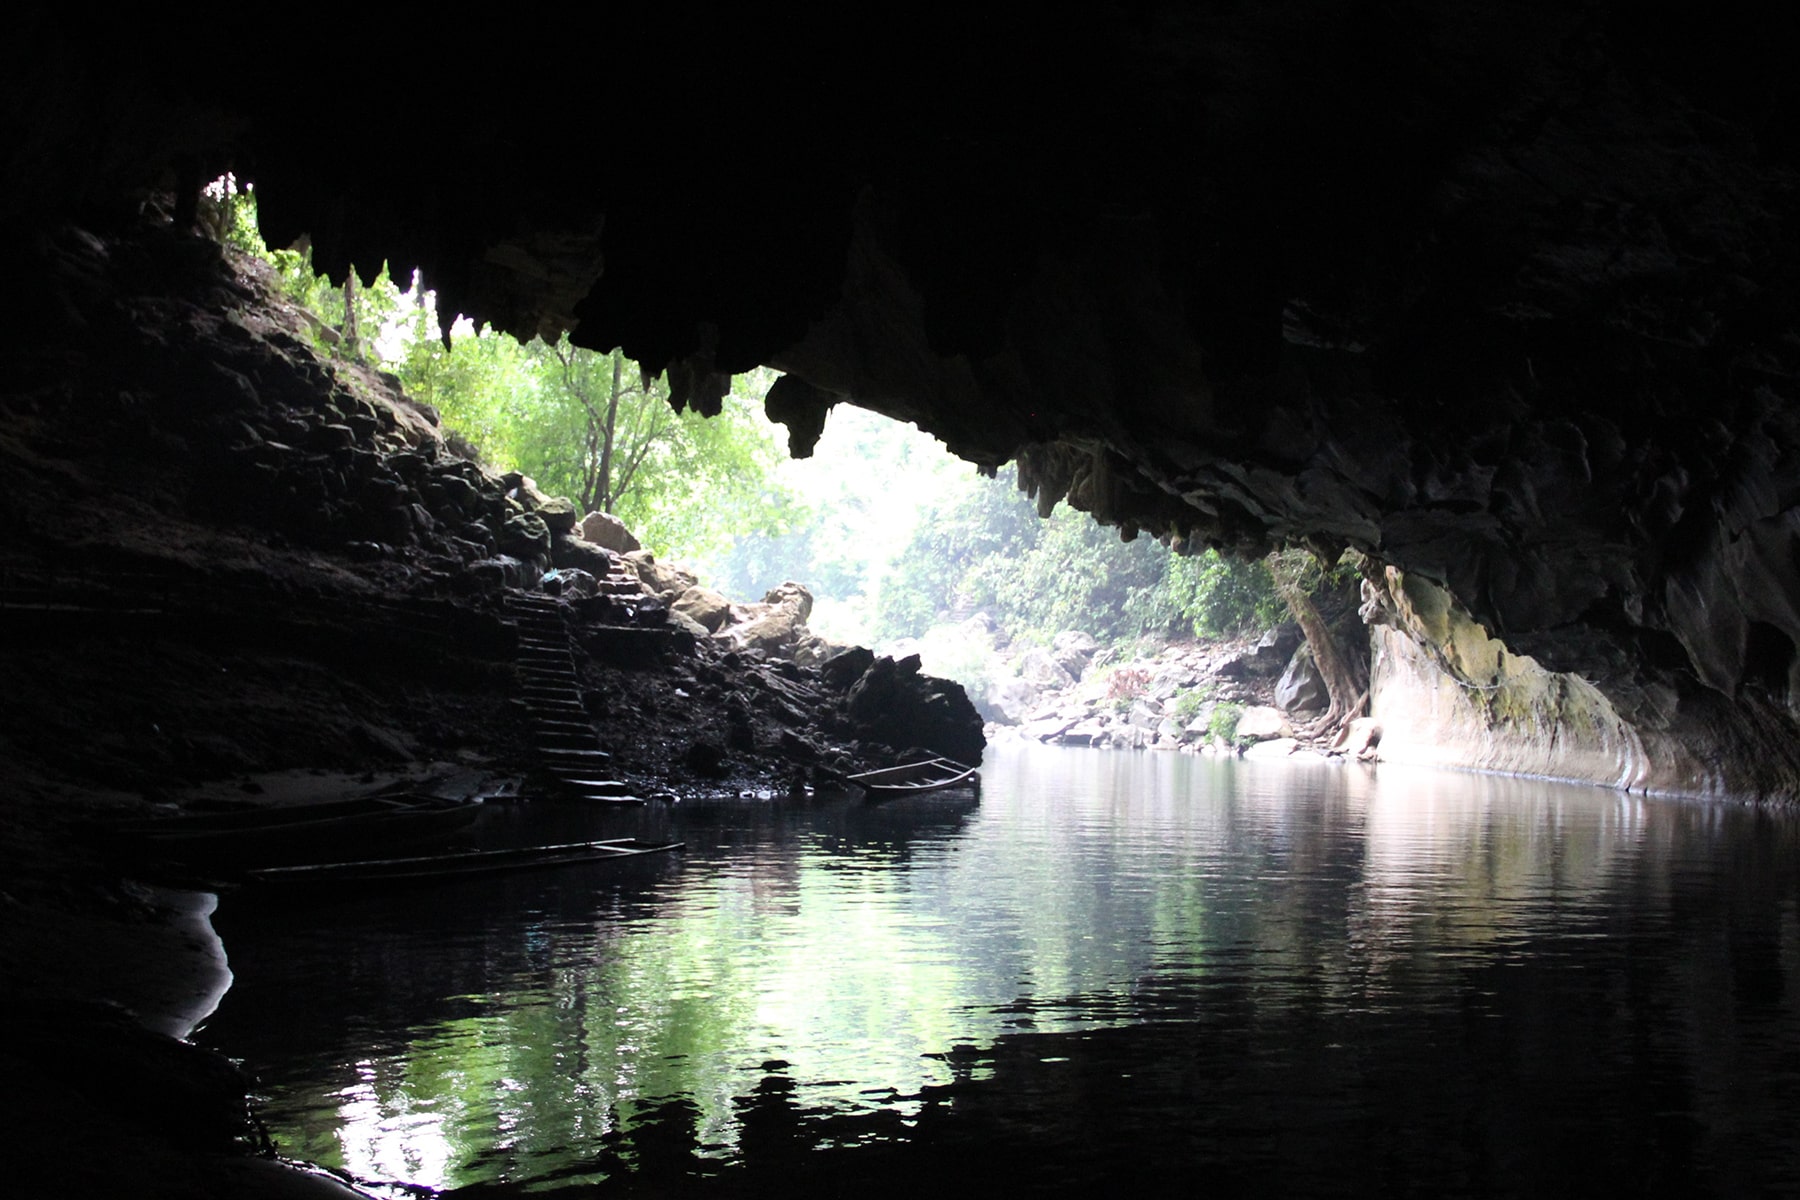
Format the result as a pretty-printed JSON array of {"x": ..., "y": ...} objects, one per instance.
[
  {"x": 1503, "y": 296},
  {"x": 1500, "y": 295}
]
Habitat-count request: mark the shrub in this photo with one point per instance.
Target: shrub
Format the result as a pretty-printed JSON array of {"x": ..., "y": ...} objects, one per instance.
[
  {"x": 1224, "y": 722},
  {"x": 1127, "y": 683},
  {"x": 1187, "y": 705}
]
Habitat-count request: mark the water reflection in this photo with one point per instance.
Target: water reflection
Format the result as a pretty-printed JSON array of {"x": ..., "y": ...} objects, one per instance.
[{"x": 1113, "y": 962}]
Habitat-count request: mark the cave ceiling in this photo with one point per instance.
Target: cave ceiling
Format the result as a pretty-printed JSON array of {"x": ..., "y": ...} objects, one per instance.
[{"x": 1498, "y": 293}]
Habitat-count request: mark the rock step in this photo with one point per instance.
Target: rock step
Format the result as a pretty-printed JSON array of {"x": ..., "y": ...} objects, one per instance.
[
  {"x": 553, "y": 703},
  {"x": 583, "y": 755},
  {"x": 565, "y": 734},
  {"x": 551, "y": 724},
  {"x": 600, "y": 787},
  {"x": 566, "y": 741}
]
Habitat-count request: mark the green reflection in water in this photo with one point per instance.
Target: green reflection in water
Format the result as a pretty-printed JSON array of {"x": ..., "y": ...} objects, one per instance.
[{"x": 850, "y": 962}]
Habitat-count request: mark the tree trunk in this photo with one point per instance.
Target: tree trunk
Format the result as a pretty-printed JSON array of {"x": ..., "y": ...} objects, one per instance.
[
  {"x": 1346, "y": 679},
  {"x": 607, "y": 499},
  {"x": 350, "y": 314}
]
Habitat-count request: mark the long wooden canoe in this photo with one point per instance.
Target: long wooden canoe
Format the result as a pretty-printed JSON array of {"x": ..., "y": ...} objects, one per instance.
[
  {"x": 927, "y": 775},
  {"x": 297, "y": 832},
  {"x": 458, "y": 864}
]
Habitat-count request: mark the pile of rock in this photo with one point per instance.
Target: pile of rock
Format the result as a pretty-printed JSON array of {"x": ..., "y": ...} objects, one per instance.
[
  {"x": 775, "y": 626},
  {"x": 1198, "y": 697}
]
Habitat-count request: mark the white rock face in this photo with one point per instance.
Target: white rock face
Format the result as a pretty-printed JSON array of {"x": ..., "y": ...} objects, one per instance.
[
  {"x": 1261, "y": 723},
  {"x": 1273, "y": 748},
  {"x": 1491, "y": 709}
]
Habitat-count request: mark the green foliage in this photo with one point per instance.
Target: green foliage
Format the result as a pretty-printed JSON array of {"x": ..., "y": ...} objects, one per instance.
[
  {"x": 1187, "y": 704},
  {"x": 1222, "y": 726},
  {"x": 1223, "y": 596},
  {"x": 582, "y": 425},
  {"x": 229, "y": 212},
  {"x": 985, "y": 549}
]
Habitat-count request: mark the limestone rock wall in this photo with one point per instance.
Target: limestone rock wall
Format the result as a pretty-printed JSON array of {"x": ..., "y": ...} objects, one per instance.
[{"x": 1447, "y": 693}]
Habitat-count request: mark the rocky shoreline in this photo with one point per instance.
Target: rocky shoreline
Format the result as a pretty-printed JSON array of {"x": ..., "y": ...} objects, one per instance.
[{"x": 1242, "y": 696}]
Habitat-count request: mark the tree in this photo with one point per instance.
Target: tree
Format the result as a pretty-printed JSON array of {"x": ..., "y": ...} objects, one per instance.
[
  {"x": 622, "y": 422},
  {"x": 1298, "y": 574}
]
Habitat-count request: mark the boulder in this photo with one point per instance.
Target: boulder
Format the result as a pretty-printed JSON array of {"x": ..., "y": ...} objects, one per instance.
[
  {"x": 525, "y": 536},
  {"x": 1301, "y": 688},
  {"x": 570, "y": 581},
  {"x": 1085, "y": 733},
  {"x": 1200, "y": 728},
  {"x": 457, "y": 492},
  {"x": 1280, "y": 747},
  {"x": 707, "y": 759},
  {"x": 1073, "y": 641},
  {"x": 558, "y": 512},
  {"x": 659, "y": 579},
  {"x": 704, "y": 607},
  {"x": 842, "y": 670},
  {"x": 1260, "y": 723},
  {"x": 1011, "y": 699},
  {"x": 1145, "y": 714},
  {"x": 505, "y": 571},
  {"x": 811, "y": 650},
  {"x": 1045, "y": 728},
  {"x": 1360, "y": 738},
  {"x": 1041, "y": 669},
  {"x": 1073, "y": 650},
  {"x": 791, "y": 594},
  {"x": 776, "y": 624},
  {"x": 604, "y": 529},
  {"x": 567, "y": 550},
  {"x": 894, "y": 704},
  {"x": 1274, "y": 649}
]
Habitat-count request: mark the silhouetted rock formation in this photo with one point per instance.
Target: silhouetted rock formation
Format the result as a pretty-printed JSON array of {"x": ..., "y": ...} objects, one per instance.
[{"x": 1502, "y": 294}]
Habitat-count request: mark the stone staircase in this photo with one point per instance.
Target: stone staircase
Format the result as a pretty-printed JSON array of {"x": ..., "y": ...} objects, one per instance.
[{"x": 566, "y": 755}]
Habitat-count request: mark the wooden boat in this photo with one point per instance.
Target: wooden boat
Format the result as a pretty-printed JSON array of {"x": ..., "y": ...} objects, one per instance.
[
  {"x": 458, "y": 864},
  {"x": 296, "y": 832},
  {"x": 927, "y": 775}
]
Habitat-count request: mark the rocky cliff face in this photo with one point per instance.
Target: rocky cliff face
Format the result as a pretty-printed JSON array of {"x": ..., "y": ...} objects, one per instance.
[{"x": 1501, "y": 294}]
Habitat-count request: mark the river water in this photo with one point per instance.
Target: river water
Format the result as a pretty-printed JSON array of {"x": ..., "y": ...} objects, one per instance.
[{"x": 1113, "y": 971}]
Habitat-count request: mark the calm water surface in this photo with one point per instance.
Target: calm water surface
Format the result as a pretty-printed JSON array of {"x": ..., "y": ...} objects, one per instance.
[{"x": 1115, "y": 968}]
